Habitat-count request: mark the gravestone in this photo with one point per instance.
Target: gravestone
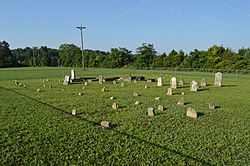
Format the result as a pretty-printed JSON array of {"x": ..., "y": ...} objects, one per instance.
[
  {"x": 203, "y": 82},
  {"x": 218, "y": 79},
  {"x": 111, "y": 98},
  {"x": 194, "y": 86},
  {"x": 100, "y": 79},
  {"x": 106, "y": 124},
  {"x": 122, "y": 84},
  {"x": 191, "y": 113},
  {"x": 159, "y": 81},
  {"x": 38, "y": 90},
  {"x": 151, "y": 112},
  {"x": 173, "y": 83},
  {"x": 114, "y": 82},
  {"x": 160, "y": 108},
  {"x": 73, "y": 112},
  {"x": 137, "y": 103},
  {"x": 115, "y": 106},
  {"x": 211, "y": 106},
  {"x": 73, "y": 76},
  {"x": 104, "y": 89},
  {"x": 157, "y": 98},
  {"x": 129, "y": 78},
  {"x": 145, "y": 86},
  {"x": 80, "y": 94},
  {"x": 181, "y": 101},
  {"x": 170, "y": 92},
  {"x": 135, "y": 94},
  {"x": 181, "y": 82},
  {"x": 66, "y": 80},
  {"x": 182, "y": 93},
  {"x": 85, "y": 83}
]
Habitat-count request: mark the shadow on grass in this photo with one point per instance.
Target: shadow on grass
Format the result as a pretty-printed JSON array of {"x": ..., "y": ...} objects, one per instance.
[
  {"x": 189, "y": 157},
  {"x": 228, "y": 85}
]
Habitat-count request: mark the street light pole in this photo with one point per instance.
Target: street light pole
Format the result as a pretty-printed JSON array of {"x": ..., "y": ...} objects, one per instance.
[{"x": 81, "y": 28}]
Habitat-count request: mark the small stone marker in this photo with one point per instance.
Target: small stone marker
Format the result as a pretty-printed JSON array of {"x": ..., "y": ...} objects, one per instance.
[
  {"x": 111, "y": 98},
  {"x": 151, "y": 112},
  {"x": 135, "y": 81},
  {"x": 129, "y": 78},
  {"x": 191, "y": 113},
  {"x": 86, "y": 83},
  {"x": 211, "y": 106},
  {"x": 122, "y": 84},
  {"x": 160, "y": 108},
  {"x": 59, "y": 81},
  {"x": 62, "y": 90},
  {"x": 182, "y": 93},
  {"x": 135, "y": 94},
  {"x": 170, "y": 92},
  {"x": 106, "y": 124},
  {"x": 157, "y": 98},
  {"x": 44, "y": 85},
  {"x": 50, "y": 86},
  {"x": 181, "y": 101},
  {"x": 181, "y": 82},
  {"x": 137, "y": 103},
  {"x": 80, "y": 94},
  {"x": 104, "y": 89},
  {"x": 100, "y": 79},
  {"x": 114, "y": 82},
  {"x": 73, "y": 74},
  {"x": 146, "y": 87},
  {"x": 66, "y": 80},
  {"x": 218, "y": 79},
  {"x": 38, "y": 90},
  {"x": 173, "y": 83},
  {"x": 73, "y": 112},
  {"x": 159, "y": 81},
  {"x": 47, "y": 80},
  {"x": 83, "y": 87},
  {"x": 203, "y": 82},
  {"x": 115, "y": 106},
  {"x": 194, "y": 86}
]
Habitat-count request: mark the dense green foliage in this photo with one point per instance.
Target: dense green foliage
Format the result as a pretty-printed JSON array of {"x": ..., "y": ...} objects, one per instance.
[
  {"x": 37, "y": 129},
  {"x": 68, "y": 55}
]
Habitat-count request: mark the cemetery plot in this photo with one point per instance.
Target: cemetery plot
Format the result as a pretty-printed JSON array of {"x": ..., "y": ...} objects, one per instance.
[{"x": 71, "y": 128}]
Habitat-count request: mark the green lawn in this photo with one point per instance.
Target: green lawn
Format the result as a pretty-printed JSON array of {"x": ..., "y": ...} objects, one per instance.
[{"x": 36, "y": 128}]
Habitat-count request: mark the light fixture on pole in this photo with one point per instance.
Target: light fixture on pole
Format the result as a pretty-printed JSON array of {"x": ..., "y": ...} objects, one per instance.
[{"x": 81, "y": 28}]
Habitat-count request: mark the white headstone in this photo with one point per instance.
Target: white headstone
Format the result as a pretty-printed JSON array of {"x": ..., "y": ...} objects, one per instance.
[
  {"x": 194, "y": 86},
  {"x": 66, "y": 80},
  {"x": 151, "y": 112},
  {"x": 160, "y": 108},
  {"x": 73, "y": 74},
  {"x": 173, "y": 83},
  {"x": 218, "y": 79},
  {"x": 74, "y": 112},
  {"x": 100, "y": 79},
  {"x": 191, "y": 113},
  {"x": 203, "y": 82},
  {"x": 170, "y": 92},
  {"x": 159, "y": 81}
]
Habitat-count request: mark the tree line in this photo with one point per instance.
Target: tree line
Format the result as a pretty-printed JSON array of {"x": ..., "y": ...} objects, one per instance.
[{"x": 69, "y": 55}]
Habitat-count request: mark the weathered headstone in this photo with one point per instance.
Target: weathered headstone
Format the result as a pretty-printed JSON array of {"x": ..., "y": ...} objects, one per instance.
[
  {"x": 203, "y": 82},
  {"x": 151, "y": 112},
  {"x": 137, "y": 103},
  {"x": 170, "y": 92},
  {"x": 181, "y": 82},
  {"x": 106, "y": 124},
  {"x": 182, "y": 93},
  {"x": 157, "y": 98},
  {"x": 135, "y": 94},
  {"x": 74, "y": 112},
  {"x": 194, "y": 86},
  {"x": 160, "y": 108},
  {"x": 73, "y": 76},
  {"x": 115, "y": 106},
  {"x": 66, "y": 80},
  {"x": 173, "y": 83},
  {"x": 100, "y": 79},
  {"x": 181, "y": 101},
  {"x": 191, "y": 113},
  {"x": 114, "y": 82},
  {"x": 159, "y": 81},
  {"x": 129, "y": 78},
  {"x": 218, "y": 79},
  {"x": 211, "y": 106}
]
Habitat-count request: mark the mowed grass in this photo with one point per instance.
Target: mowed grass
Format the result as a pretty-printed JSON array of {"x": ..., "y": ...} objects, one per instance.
[{"x": 37, "y": 128}]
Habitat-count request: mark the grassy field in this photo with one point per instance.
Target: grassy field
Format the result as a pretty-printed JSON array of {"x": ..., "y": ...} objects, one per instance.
[{"x": 36, "y": 128}]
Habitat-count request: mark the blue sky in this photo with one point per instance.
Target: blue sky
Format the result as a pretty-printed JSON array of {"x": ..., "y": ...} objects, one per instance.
[{"x": 167, "y": 24}]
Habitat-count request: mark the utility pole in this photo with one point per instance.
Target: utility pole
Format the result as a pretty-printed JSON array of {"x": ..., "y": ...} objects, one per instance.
[{"x": 81, "y": 28}]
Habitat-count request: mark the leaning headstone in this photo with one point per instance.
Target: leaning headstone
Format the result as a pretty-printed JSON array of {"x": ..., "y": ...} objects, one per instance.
[
  {"x": 203, "y": 82},
  {"x": 73, "y": 76},
  {"x": 181, "y": 82},
  {"x": 159, "y": 81},
  {"x": 73, "y": 112},
  {"x": 151, "y": 112},
  {"x": 106, "y": 124},
  {"x": 218, "y": 79},
  {"x": 191, "y": 113},
  {"x": 160, "y": 108},
  {"x": 173, "y": 83},
  {"x": 181, "y": 101},
  {"x": 170, "y": 92},
  {"x": 66, "y": 80},
  {"x": 115, "y": 106},
  {"x": 194, "y": 86},
  {"x": 100, "y": 79}
]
